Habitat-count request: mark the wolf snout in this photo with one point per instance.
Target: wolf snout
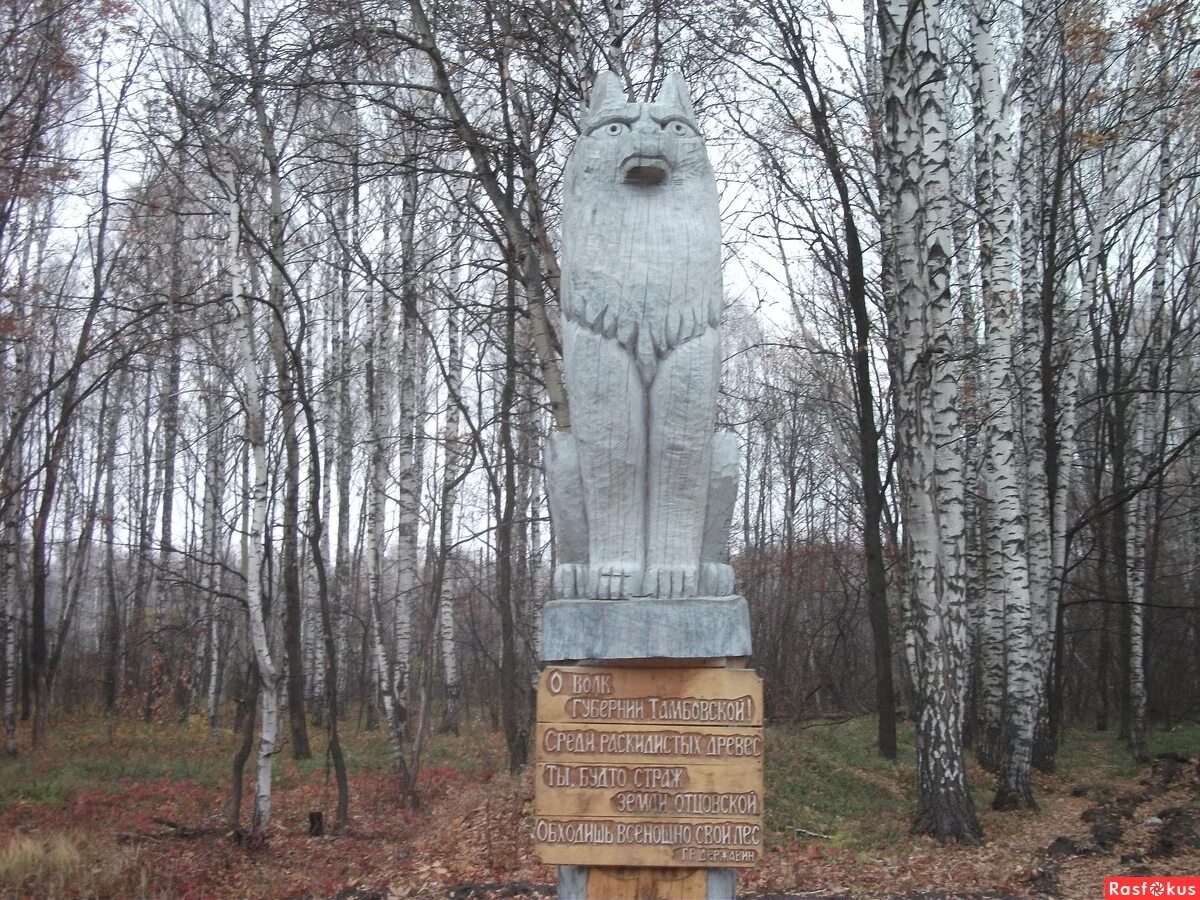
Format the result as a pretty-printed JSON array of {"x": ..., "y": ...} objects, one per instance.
[{"x": 645, "y": 169}]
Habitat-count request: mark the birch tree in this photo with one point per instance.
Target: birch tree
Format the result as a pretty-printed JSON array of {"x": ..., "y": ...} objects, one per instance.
[
  {"x": 211, "y": 544},
  {"x": 255, "y": 501},
  {"x": 1005, "y": 535},
  {"x": 379, "y": 390},
  {"x": 925, "y": 385},
  {"x": 453, "y": 470}
]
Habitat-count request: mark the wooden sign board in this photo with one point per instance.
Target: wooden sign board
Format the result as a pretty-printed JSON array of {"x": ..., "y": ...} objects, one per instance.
[
  {"x": 649, "y": 767},
  {"x": 640, "y": 696}
]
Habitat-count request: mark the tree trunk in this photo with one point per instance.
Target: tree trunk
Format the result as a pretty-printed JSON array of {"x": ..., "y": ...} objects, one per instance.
[
  {"x": 169, "y": 417},
  {"x": 247, "y": 712},
  {"x": 920, "y": 311},
  {"x": 504, "y": 499},
  {"x": 525, "y": 260},
  {"x": 214, "y": 493},
  {"x": 285, "y": 370},
  {"x": 13, "y": 498},
  {"x": 108, "y": 428},
  {"x": 10, "y": 548},
  {"x": 256, "y": 496},
  {"x": 408, "y": 420},
  {"x": 293, "y": 613},
  {"x": 1005, "y": 535},
  {"x": 379, "y": 350},
  {"x": 341, "y": 367},
  {"x": 452, "y": 474}
]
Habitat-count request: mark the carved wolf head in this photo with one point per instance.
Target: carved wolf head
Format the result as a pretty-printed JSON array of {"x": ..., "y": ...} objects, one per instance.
[{"x": 639, "y": 144}]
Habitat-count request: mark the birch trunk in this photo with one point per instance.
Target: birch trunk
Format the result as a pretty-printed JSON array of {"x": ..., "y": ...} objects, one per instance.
[
  {"x": 314, "y": 662},
  {"x": 451, "y": 475},
  {"x": 379, "y": 429},
  {"x": 1008, "y": 587},
  {"x": 318, "y": 687},
  {"x": 1136, "y": 576},
  {"x": 12, "y": 476},
  {"x": 975, "y": 448},
  {"x": 1040, "y": 437},
  {"x": 314, "y": 637},
  {"x": 214, "y": 492},
  {"x": 930, "y": 468},
  {"x": 256, "y": 503},
  {"x": 1147, "y": 412},
  {"x": 286, "y": 373},
  {"x": 10, "y": 548},
  {"x": 169, "y": 419},
  {"x": 341, "y": 351},
  {"x": 1046, "y": 400},
  {"x": 411, "y": 425}
]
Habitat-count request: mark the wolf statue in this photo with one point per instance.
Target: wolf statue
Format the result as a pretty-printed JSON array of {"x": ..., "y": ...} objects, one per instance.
[{"x": 641, "y": 489}]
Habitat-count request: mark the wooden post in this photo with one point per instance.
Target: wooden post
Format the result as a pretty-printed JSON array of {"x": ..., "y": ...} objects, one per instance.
[{"x": 644, "y": 767}]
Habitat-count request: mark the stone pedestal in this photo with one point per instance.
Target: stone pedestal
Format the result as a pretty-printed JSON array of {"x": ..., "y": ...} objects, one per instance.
[{"x": 650, "y": 628}]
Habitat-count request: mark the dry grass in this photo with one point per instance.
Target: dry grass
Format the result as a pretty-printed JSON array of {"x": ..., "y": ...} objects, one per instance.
[{"x": 69, "y": 864}]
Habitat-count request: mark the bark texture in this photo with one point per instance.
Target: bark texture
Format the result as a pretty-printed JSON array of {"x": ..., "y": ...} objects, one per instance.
[{"x": 926, "y": 379}]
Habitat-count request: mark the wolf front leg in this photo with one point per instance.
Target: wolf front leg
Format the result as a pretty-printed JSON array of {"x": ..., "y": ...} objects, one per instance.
[
  {"x": 564, "y": 489},
  {"x": 683, "y": 403},
  {"x": 716, "y": 575},
  {"x": 608, "y": 421}
]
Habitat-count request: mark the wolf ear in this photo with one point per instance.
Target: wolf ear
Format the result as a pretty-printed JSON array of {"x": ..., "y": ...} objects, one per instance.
[
  {"x": 606, "y": 91},
  {"x": 675, "y": 91}
]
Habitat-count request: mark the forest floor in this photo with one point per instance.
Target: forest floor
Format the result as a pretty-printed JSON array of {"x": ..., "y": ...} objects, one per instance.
[{"x": 135, "y": 811}]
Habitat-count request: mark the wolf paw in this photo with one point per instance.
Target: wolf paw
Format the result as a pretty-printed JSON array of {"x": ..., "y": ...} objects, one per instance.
[
  {"x": 671, "y": 581},
  {"x": 615, "y": 581},
  {"x": 570, "y": 580},
  {"x": 716, "y": 579}
]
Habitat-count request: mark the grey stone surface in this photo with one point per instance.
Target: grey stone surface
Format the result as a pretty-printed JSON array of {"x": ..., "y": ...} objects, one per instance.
[
  {"x": 722, "y": 884},
  {"x": 679, "y": 628},
  {"x": 641, "y": 489},
  {"x": 572, "y": 882}
]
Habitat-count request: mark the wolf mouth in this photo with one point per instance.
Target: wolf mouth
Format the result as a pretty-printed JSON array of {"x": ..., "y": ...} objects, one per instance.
[{"x": 645, "y": 169}]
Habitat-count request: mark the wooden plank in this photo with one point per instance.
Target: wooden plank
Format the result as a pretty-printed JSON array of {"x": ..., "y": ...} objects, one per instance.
[
  {"x": 669, "y": 696},
  {"x": 722, "y": 792},
  {"x": 655, "y": 767},
  {"x": 625, "y": 744},
  {"x": 658, "y": 843}
]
